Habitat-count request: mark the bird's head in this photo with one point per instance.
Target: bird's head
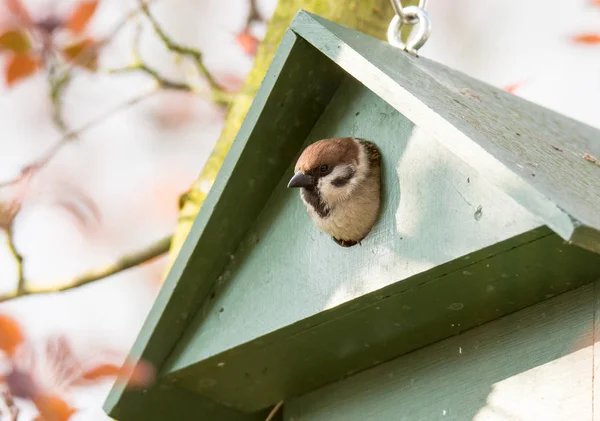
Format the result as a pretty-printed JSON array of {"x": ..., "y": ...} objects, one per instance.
[{"x": 332, "y": 168}]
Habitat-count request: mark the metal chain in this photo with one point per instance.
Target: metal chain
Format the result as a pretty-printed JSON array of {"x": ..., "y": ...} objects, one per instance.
[{"x": 410, "y": 15}]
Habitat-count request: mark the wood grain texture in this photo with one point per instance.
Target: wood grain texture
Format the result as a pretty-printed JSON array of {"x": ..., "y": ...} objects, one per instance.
[
  {"x": 289, "y": 104},
  {"x": 595, "y": 337},
  {"x": 297, "y": 311},
  {"x": 504, "y": 137},
  {"x": 536, "y": 364},
  {"x": 391, "y": 321},
  {"x": 291, "y": 270},
  {"x": 270, "y": 308},
  {"x": 369, "y": 16},
  {"x": 164, "y": 402}
]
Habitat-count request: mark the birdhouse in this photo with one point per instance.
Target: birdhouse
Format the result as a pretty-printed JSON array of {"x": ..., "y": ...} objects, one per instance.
[{"x": 490, "y": 204}]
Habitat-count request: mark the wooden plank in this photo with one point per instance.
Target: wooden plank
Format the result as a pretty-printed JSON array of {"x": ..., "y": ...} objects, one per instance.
[
  {"x": 300, "y": 310},
  {"x": 277, "y": 288},
  {"x": 165, "y": 401},
  {"x": 428, "y": 219},
  {"x": 283, "y": 113},
  {"x": 506, "y": 138},
  {"x": 596, "y": 346},
  {"x": 531, "y": 365},
  {"x": 369, "y": 16},
  {"x": 389, "y": 322}
]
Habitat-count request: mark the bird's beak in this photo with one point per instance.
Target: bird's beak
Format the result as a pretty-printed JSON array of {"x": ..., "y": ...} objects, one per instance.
[{"x": 301, "y": 180}]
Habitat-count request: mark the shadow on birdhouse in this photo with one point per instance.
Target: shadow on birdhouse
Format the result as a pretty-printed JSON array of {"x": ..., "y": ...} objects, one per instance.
[{"x": 499, "y": 210}]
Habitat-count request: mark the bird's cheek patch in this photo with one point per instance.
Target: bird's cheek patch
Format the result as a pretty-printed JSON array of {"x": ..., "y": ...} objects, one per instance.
[
  {"x": 344, "y": 179},
  {"x": 340, "y": 181}
]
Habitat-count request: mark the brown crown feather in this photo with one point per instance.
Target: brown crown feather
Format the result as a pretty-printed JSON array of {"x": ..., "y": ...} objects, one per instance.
[{"x": 328, "y": 151}]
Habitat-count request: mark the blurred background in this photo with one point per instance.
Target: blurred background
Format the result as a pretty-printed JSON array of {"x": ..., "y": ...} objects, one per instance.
[{"x": 103, "y": 128}]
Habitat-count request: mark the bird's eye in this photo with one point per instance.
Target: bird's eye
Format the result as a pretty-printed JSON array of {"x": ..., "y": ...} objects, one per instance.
[{"x": 324, "y": 169}]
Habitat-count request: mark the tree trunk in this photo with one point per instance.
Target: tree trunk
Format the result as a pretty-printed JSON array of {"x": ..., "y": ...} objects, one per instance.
[{"x": 369, "y": 16}]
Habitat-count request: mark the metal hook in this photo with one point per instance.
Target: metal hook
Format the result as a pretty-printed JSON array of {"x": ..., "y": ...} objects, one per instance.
[
  {"x": 410, "y": 15},
  {"x": 399, "y": 10},
  {"x": 397, "y": 5}
]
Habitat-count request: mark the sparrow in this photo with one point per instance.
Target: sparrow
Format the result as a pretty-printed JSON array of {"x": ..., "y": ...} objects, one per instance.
[{"x": 340, "y": 184}]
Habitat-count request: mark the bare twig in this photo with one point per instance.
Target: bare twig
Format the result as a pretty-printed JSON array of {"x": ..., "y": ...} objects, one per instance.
[
  {"x": 58, "y": 84},
  {"x": 10, "y": 209},
  {"x": 107, "y": 115},
  {"x": 126, "y": 262},
  {"x": 178, "y": 48},
  {"x": 18, "y": 259},
  {"x": 253, "y": 14},
  {"x": 41, "y": 162},
  {"x": 274, "y": 411},
  {"x": 160, "y": 80},
  {"x": 87, "y": 52},
  {"x": 218, "y": 94},
  {"x": 59, "y": 79},
  {"x": 8, "y": 408}
]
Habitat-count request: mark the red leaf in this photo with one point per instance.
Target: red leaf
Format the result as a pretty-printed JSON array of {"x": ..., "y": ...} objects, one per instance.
[
  {"x": 53, "y": 408},
  {"x": 20, "y": 66},
  {"x": 62, "y": 363},
  {"x": 15, "y": 41},
  {"x": 83, "y": 53},
  {"x": 11, "y": 335},
  {"x": 248, "y": 42},
  {"x": 513, "y": 87},
  {"x": 16, "y": 7},
  {"x": 81, "y": 16},
  {"x": 230, "y": 82},
  {"x": 138, "y": 375},
  {"x": 589, "y": 38},
  {"x": 100, "y": 372}
]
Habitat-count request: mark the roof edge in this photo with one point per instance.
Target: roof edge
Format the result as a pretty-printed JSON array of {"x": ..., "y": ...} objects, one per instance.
[{"x": 308, "y": 26}]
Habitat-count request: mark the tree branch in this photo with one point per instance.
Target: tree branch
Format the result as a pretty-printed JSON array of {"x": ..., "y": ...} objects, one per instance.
[
  {"x": 126, "y": 262},
  {"x": 178, "y": 48},
  {"x": 58, "y": 84},
  {"x": 88, "y": 51},
  {"x": 41, "y": 162},
  {"x": 59, "y": 78},
  {"x": 253, "y": 14},
  {"x": 18, "y": 259},
  {"x": 160, "y": 80},
  {"x": 217, "y": 93}
]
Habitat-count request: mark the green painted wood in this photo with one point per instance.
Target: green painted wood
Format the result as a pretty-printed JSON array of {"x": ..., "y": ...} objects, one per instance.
[
  {"x": 165, "y": 402},
  {"x": 428, "y": 218},
  {"x": 504, "y": 137},
  {"x": 261, "y": 306},
  {"x": 394, "y": 320},
  {"x": 284, "y": 111},
  {"x": 536, "y": 364},
  {"x": 596, "y": 357}
]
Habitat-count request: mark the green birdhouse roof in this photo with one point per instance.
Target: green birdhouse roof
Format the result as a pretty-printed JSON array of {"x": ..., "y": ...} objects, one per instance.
[
  {"x": 501, "y": 135},
  {"x": 259, "y": 306}
]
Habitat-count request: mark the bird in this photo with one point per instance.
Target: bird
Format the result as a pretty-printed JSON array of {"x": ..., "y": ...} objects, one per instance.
[{"x": 340, "y": 184}]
